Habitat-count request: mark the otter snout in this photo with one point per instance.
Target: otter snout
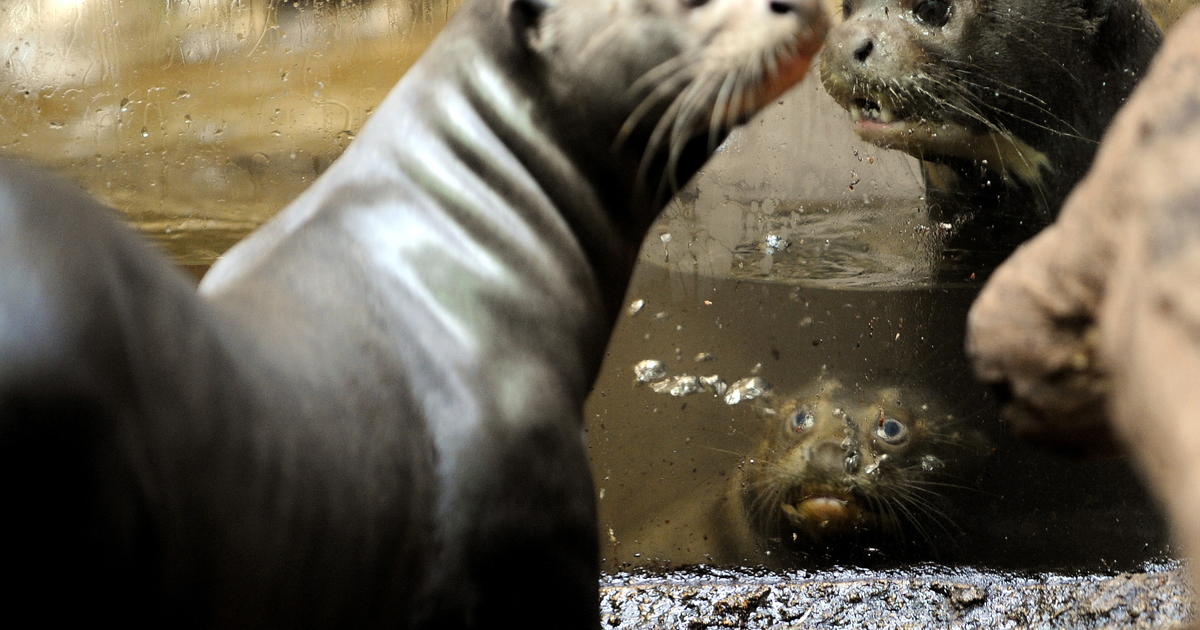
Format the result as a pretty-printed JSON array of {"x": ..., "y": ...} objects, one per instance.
[
  {"x": 809, "y": 11},
  {"x": 868, "y": 47},
  {"x": 832, "y": 458}
]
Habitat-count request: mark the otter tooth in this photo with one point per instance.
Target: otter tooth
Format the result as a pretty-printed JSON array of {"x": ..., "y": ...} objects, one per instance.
[
  {"x": 886, "y": 115},
  {"x": 856, "y": 113}
]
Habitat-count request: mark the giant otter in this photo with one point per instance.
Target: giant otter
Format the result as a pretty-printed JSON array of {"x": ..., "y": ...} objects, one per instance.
[
  {"x": 870, "y": 472},
  {"x": 847, "y": 468},
  {"x": 370, "y": 414},
  {"x": 1003, "y": 100}
]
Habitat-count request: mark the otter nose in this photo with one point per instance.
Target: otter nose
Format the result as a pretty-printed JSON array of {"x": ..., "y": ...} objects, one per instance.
[
  {"x": 828, "y": 457},
  {"x": 805, "y": 9},
  {"x": 864, "y": 49}
]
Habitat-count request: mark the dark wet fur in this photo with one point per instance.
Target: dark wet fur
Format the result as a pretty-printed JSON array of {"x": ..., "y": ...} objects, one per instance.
[
  {"x": 1052, "y": 100},
  {"x": 1064, "y": 68}
]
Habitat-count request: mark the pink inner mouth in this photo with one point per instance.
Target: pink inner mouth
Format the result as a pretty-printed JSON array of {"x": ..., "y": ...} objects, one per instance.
[{"x": 872, "y": 125}]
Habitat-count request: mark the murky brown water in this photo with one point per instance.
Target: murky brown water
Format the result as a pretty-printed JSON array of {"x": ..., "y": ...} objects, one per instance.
[{"x": 661, "y": 461}]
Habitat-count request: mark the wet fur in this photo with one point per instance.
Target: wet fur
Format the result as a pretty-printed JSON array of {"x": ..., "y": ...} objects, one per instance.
[
  {"x": 1036, "y": 81},
  {"x": 906, "y": 509}
]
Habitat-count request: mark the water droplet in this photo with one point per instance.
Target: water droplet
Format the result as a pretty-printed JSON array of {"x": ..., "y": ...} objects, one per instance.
[
  {"x": 145, "y": 133},
  {"x": 930, "y": 463},
  {"x": 636, "y": 306},
  {"x": 746, "y": 389},
  {"x": 776, "y": 243},
  {"x": 682, "y": 385},
  {"x": 714, "y": 383},
  {"x": 649, "y": 370}
]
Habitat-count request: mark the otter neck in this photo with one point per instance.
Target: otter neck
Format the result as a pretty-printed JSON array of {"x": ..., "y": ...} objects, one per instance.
[
  {"x": 560, "y": 163},
  {"x": 545, "y": 224}
]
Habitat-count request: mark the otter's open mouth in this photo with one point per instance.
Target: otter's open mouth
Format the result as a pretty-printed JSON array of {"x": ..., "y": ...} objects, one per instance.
[
  {"x": 886, "y": 124},
  {"x": 823, "y": 514},
  {"x": 864, "y": 111}
]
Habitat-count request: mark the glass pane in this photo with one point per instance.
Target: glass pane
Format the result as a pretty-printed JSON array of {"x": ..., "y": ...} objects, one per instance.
[
  {"x": 838, "y": 274},
  {"x": 802, "y": 258}
]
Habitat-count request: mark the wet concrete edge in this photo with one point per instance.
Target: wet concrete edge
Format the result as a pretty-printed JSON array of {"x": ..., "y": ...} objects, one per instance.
[{"x": 924, "y": 597}]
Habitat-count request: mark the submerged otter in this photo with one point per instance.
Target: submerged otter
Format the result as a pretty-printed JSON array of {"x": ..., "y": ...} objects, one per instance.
[
  {"x": 1003, "y": 101},
  {"x": 869, "y": 466}
]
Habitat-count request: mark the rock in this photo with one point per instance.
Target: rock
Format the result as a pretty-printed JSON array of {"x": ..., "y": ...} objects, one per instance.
[{"x": 1099, "y": 315}]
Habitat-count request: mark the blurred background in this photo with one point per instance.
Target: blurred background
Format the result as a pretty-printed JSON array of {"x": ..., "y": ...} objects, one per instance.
[{"x": 199, "y": 118}]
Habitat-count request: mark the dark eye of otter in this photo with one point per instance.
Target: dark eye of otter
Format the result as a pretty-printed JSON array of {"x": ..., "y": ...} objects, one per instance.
[
  {"x": 691, "y": 4},
  {"x": 932, "y": 12},
  {"x": 892, "y": 431},
  {"x": 845, "y": 9},
  {"x": 801, "y": 421}
]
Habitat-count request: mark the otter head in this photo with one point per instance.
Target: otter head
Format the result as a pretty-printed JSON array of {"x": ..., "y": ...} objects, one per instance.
[
  {"x": 656, "y": 84},
  {"x": 1023, "y": 88},
  {"x": 843, "y": 465}
]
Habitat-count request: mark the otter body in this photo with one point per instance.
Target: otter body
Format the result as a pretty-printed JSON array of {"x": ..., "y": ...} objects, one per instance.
[
  {"x": 1004, "y": 101},
  {"x": 370, "y": 414},
  {"x": 844, "y": 468}
]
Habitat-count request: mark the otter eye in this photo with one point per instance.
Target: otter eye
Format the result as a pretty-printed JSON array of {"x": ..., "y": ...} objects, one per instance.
[
  {"x": 845, "y": 9},
  {"x": 692, "y": 4},
  {"x": 801, "y": 421},
  {"x": 932, "y": 12},
  {"x": 891, "y": 430}
]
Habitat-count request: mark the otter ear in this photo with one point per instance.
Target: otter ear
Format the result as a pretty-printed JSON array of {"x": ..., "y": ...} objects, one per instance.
[{"x": 524, "y": 16}]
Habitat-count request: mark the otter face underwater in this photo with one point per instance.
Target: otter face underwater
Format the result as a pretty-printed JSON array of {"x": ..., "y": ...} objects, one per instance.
[
  {"x": 844, "y": 466},
  {"x": 1004, "y": 101}
]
